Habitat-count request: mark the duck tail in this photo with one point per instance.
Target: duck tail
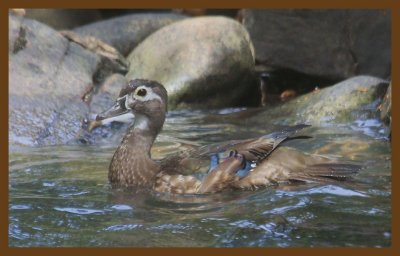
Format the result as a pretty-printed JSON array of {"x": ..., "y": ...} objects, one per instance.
[{"x": 327, "y": 172}]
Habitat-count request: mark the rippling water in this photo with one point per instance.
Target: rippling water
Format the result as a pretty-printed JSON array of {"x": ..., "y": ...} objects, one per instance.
[{"x": 59, "y": 196}]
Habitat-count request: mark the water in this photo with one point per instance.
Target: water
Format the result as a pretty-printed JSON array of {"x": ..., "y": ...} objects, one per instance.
[{"x": 59, "y": 196}]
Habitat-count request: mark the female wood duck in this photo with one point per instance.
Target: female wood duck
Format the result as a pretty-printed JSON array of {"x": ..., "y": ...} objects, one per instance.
[{"x": 247, "y": 164}]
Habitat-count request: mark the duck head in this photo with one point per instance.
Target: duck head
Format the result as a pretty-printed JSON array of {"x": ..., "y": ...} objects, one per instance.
[{"x": 143, "y": 101}]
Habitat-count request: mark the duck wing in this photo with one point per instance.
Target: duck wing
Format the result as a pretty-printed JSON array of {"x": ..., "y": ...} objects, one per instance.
[{"x": 209, "y": 156}]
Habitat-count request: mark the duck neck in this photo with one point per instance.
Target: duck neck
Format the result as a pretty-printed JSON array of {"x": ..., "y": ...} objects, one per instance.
[
  {"x": 143, "y": 133},
  {"x": 132, "y": 164}
]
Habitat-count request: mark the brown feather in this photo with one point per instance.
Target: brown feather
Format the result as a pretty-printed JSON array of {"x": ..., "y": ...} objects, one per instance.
[
  {"x": 286, "y": 165},
  {"x": 132, "y": 164}
]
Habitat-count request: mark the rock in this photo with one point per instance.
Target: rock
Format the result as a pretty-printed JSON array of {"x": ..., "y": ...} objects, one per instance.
[
  {"x": 107, "y": 93},
  {"x": 18, "y": 12},
  {"x": 335, "y": 44},
  {"x": 126, "y": 32},
  {"x": 102, "y": 100},
  {"x": 202, "y": 62},
  {"x": 48, "y": 75},
  {"x": 64, "y": 18},
  {"x": 111, "y": 60},
  {"x": 385, "y": 109},
  {"x": 341, "y": 103}
]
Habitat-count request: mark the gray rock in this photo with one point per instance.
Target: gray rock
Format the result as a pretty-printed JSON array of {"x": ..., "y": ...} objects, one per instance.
[
  {"x": 107, "y": 94},
  {"x": 203, "y": 62},
  {"x": 102, "y": 100},
  {"x": 63, "y": 18},
  {"x": 341, "y": 103},
  {"x": 331, "y": 43},
  {"x": 126, "y": 32},
  {"x": 386, "y": 106},
  {"x": 48, "y": 75}
]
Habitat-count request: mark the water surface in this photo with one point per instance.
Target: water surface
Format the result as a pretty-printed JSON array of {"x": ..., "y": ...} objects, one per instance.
[{"x": 59, "y": 196}]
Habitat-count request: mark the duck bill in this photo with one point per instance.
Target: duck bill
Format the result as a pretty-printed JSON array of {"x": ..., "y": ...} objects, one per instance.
[{"x": 114, "y": 114}]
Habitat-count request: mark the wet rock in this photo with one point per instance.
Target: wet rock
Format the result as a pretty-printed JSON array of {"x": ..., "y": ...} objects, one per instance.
[
  {"x": 63, "y": 18},
  {"x": 99, "y": 100},
  {"x": 111, "y": 60},
  {"x": 385, "y": 108},
  {"x": 203, "y": 62},
  {"x": 344, "y": 102},
  {"x": 126, "y": 32},
  {"x": 47, "y": 77},
  {"x": 335, "y": 44},
  {"x": 107, "y": 93}
]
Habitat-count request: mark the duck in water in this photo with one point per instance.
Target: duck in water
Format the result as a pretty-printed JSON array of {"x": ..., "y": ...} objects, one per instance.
[{"x": 238, "y": 164}]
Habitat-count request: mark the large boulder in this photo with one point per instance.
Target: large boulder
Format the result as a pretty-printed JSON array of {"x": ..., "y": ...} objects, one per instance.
[
  {"x": 126, "y": 32},
  {"x": 335, "y": 44},
  {"x": 64, "y": 18},
  {"x": 345, "y": 102},
  {"x": 48, "y": 75},
  {"x": 202, "y": 62}
]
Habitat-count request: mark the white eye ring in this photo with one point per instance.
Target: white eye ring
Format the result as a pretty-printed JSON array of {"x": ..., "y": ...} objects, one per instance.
[
  {"x": 150, "y": 95},
  {"x": 141, "y": 92}
]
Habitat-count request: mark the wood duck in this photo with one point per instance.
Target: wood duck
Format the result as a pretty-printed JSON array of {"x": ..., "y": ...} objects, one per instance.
[{"x": 238, "y": 164}]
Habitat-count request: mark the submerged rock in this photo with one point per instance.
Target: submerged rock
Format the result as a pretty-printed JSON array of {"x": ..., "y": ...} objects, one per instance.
[
  {"x": 126, "y": 32},
  {"x": 48, "y": 75},
  {"x": 341, "y": 103},
  {"x": 202, "y": 62},
  {"x": 330, "y": 43}
]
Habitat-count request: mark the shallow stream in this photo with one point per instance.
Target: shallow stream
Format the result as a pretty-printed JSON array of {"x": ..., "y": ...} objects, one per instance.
[{"x": 59, "y": 196}]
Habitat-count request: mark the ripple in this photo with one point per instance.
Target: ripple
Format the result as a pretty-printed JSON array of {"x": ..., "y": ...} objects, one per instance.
[
  {"x": 243, "y": 224},
  {"x": 78, "y": 210},
  {"x": 121, "y": 207},
  {"x": 48, "y": 184},
  {"x": 328, "y": 189},
  {"x": 122, "y": 227},
  {"x": 281, "y": 210},
  {"x": 74, "y": 194},
  {"x": 374, "y": 211},
  {"x": 170, "y": 226},
  {"x": 20, "y": 207},
  {"x": 335, "y": 190},
  {"x": 370, "y": 127},
  {"x": 15, "y": 231}
]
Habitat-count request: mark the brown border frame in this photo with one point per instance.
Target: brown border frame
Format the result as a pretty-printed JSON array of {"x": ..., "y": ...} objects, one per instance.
[{"x": 390, "y": 4}]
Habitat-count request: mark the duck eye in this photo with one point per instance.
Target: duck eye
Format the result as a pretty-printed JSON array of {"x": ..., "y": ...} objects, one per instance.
[{"x": 141, "y": 92}]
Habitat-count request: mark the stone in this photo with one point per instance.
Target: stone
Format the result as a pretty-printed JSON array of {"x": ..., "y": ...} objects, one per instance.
[
  {"x": 385, "y": 109},
  {"x": 107, "y": 94},
  {"x": 64, "y": 18},
  {"x": 126, "y": 32},
  {"x": 48, "y": 76},
  {"x": 204, "y": 62},
  {"x": 335, "y": 44},
  {"x": 344, "y": 102}
]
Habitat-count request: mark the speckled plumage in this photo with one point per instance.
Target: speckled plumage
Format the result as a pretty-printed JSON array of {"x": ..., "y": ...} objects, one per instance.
[{"x": 132, "y": 165}]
